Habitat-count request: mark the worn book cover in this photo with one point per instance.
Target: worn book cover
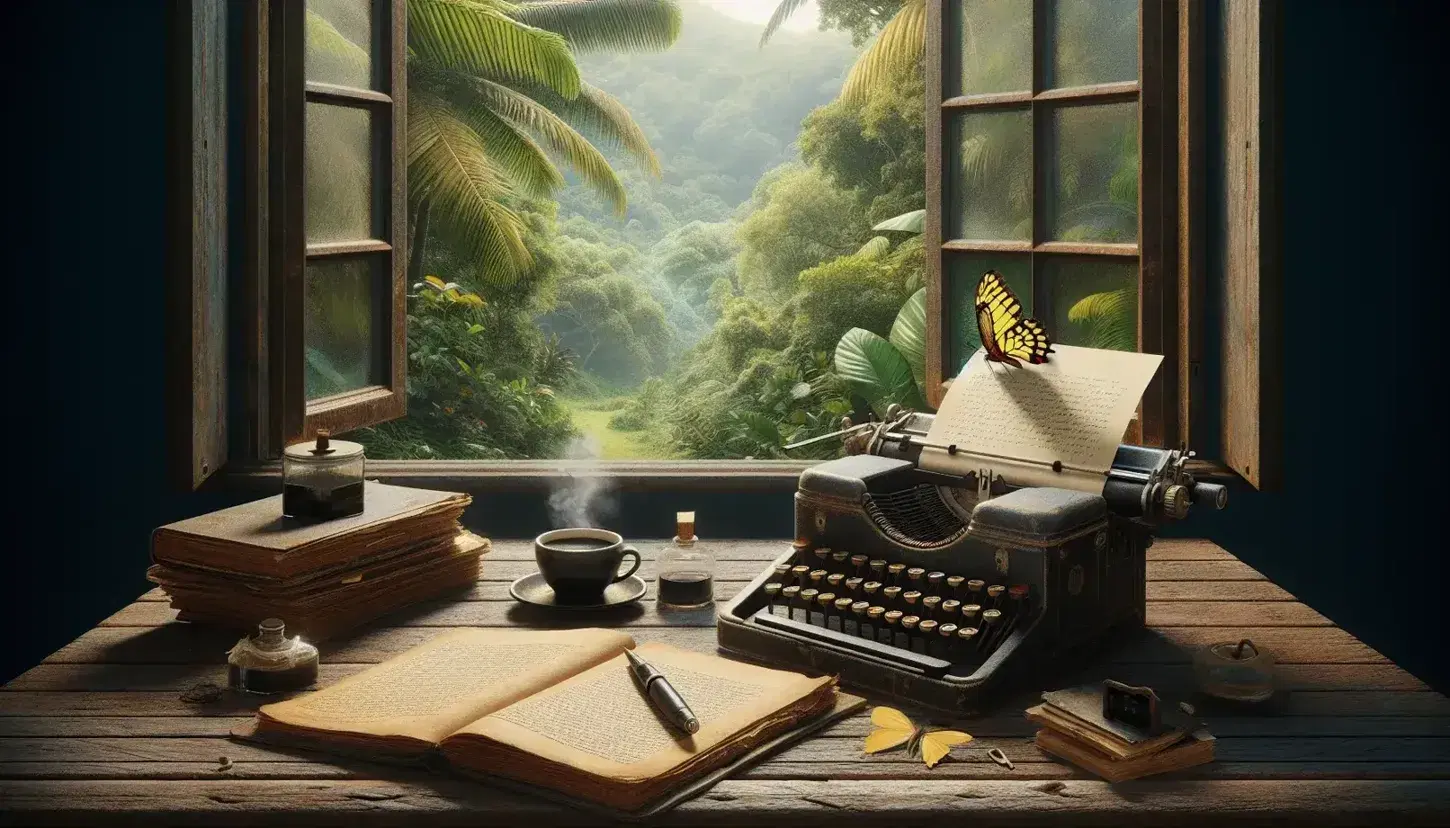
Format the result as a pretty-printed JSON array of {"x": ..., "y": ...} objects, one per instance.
[
  {"x": 1195, "y": 749},
  {"x": 553, "y": 709}
]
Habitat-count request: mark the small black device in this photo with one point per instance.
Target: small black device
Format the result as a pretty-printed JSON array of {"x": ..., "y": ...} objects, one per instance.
[{"x": 1133, "y": 706}]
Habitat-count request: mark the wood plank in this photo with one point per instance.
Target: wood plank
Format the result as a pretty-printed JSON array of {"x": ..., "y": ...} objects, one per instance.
[
  {"x": 799, "y": 802},
  {"x": 1006, "y": 723},
  {"x": 1165, "y": 549},
  {"x": 188, "y": 644},
  {"x": 451, "y": 613},
  {"x": 725, "y": 590}
]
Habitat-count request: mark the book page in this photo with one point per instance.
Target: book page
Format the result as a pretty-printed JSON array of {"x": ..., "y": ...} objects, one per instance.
[
  {"x": 447, "y": 682},
  {"x": 1074, "y": 409},
  {"x": 600, "y": 722}
]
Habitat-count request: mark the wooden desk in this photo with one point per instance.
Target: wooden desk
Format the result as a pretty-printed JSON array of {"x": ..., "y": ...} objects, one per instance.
[{"x": 98, "y": 732}]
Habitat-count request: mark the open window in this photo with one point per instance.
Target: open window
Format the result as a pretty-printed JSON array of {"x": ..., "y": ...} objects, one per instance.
[{"x": 339, "y": 211}]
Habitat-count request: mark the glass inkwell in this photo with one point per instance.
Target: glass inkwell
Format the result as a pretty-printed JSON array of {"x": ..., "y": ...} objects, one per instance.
[
  {"x": 322, "y": 479},
  {"x": 686, "y": 569},
  {"x": 271, "y": 662}
]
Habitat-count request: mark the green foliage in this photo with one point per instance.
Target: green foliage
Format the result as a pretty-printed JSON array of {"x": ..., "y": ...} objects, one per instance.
[
  {"x": 874, "y": 369},
  {"x": 798, "y": 218},
  {"x": 898, "y": 48},
  {"x": 1111, "y": 319},
  {"x": 908, "y": 334},
  {"x": 844, "y": 293}
]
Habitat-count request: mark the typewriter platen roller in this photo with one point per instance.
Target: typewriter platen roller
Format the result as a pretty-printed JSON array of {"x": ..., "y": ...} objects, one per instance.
[{"x": 909, "y": 584}]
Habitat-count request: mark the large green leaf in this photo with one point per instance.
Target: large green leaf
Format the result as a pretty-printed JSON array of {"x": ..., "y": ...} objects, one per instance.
[
  {"x": 449, "y": 164},
  {"x": 874, "y": 369},
  {"x": 781, "y": 14},
  {"x": 875, "y": 248},
  {"x": 1111, "y": 319},
  {"x": 905, "y": 223},
  {"x": 897, "y": 49},
  {"x": 908, "y": 334},
  {"x": 478, "y": 37},
  {"x": 607, "y": 25},
  {"x": 558, "y": 136}
]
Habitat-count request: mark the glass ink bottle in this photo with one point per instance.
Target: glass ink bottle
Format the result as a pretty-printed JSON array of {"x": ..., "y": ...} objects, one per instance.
[{"x": 686, "y": 569}]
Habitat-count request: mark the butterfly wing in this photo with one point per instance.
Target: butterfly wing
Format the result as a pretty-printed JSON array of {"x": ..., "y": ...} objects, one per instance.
[
  {"x": 938, "y": 743},
  {"x": 891, "y": 729},
  {"x": 1005, "y": 334}
]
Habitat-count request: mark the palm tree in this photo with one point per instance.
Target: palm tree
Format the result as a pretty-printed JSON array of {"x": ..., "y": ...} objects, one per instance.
[
  {"x": 898, "y": 48},
  {"x": 497, "y": 106}
]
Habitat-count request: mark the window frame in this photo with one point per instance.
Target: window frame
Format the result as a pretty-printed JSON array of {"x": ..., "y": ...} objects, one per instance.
[
  {"x": 1155, "y": 250},
  {"x": 266, "y": 424},
  {"x": 291, "y": 93}
]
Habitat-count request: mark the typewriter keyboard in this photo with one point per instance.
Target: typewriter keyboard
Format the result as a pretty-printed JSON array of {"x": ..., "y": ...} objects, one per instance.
[{"x": 935, "y": 622}]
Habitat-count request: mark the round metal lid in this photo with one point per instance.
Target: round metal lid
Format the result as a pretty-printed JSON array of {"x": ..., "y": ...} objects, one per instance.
[{"x": 323, "y": 448}]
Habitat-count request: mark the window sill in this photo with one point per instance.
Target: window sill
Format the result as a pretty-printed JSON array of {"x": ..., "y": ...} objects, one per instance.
[{"x": 478, "y": 477}]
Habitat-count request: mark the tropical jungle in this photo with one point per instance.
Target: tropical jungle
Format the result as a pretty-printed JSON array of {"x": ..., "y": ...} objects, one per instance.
[{"x": 647, "y": 229}]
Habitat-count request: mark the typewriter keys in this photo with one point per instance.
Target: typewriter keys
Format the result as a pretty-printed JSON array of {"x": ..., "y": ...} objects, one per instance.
[
  {"x": 994, "y": 592},
  {"x": 911, "y": 598},
  {"x": 782, "y": 573},
  {"x": 895, "y": 571},
  {"x": 929, "y": 605},
  {"x": 934, "y": 582},
  {"x": 891, "y": 595},
  {"x": 967, "y": 635},
  {"x": 974, "y": 590},
  {"x": 808, "y": 600},
  {"x": 839, "y": 558},
  {"x": 878, "y": 570},
  {"x": 915, "y": 574},
  {"x": 817, "y": 575},
  {"x": 772, "y": 595},
  {"x": 843, "y": 609},
  {"x": 790, "y": 594},
  {"x": 835, "y": 579},
  {"x": 858, "y": 562},
  {"x": 825, "y": 600},
  {"x": 870, "y": 588},
  {"x": 954, "y": 583},
  {"x": 990, "y": 619},
  {"x": 893, "y": 620},
  {"x": 970, "y": 612},
  {"x": 927, "y": 628},
  {"x": 853, "y": 585},
  {"x": 823, "y": 554},
  {"x": 876, "y": 616},
  {"x": 798, "y": 573},
  {"x": 950, "y": 606}
]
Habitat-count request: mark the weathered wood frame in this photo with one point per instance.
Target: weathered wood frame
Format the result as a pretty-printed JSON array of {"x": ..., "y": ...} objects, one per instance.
[
  {"x": 291, "y": 92},
  {"x": 1155, "y": 251}
]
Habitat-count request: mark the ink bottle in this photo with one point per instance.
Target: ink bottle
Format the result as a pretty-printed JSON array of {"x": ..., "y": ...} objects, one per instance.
[
  {"x": 271, "y": 662},
  {"x": 322, "y": 479},
  {"x": 686, "y": 569}
]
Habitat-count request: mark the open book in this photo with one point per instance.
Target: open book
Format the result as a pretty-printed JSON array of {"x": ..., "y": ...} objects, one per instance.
[{"x": 557, "y": 709}]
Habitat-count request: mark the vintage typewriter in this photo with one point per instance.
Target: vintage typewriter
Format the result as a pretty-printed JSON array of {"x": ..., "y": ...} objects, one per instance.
[{"x": 942, "y": 590}]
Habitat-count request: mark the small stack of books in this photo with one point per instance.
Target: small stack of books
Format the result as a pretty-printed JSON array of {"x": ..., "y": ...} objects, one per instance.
[
  {"x": 1075, "y": 729},
  {"x": 238, "y": 566}
]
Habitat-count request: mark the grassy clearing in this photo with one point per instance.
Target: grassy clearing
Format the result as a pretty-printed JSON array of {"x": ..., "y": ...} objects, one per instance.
[{"x": 592, "y": 418}]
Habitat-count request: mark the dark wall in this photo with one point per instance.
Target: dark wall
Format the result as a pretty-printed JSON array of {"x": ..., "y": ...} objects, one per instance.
[
  {"x": 1357, "y": 530},
  {"x": 1355, "y": 533}
]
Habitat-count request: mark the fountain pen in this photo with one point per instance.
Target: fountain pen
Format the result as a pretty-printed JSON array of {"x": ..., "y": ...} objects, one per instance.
[{"x": 662, "y": 694}]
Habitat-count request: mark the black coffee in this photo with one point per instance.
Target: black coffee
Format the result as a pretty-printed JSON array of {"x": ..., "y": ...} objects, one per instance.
[
  {"x": 686, "y": 589},
  {"x": 579, "y": 544}
]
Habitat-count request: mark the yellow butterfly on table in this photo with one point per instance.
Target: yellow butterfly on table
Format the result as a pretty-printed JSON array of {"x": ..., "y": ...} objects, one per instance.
[
  {"x": 891, "y": 729},
  {"x": 1005, "y": 334}
]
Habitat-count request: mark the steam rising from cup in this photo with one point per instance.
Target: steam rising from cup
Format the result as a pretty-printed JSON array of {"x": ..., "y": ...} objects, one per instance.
[{"x": 585, "y": 496}]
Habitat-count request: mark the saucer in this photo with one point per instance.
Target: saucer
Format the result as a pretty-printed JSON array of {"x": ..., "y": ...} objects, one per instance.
[{"x": 532, "y": 589}]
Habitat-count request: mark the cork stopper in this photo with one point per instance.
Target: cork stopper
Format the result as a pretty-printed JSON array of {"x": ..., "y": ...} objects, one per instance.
[
  {"x": 685, "y": 525},
  {"x": 324, "y": 442}
]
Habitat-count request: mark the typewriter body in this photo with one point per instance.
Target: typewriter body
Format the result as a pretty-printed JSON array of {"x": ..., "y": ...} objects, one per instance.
[{"x": 942, "y": 590}]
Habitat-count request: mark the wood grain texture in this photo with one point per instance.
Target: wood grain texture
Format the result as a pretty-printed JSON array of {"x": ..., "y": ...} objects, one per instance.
[
  {"x": 197, "y": 304},
  {"x": 99, "y": 733},
  {"x": 1252, "y": 374},
  {"x": 932, "y": 233}
]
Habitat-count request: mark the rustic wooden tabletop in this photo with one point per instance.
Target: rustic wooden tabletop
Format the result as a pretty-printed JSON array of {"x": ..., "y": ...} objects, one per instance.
[{"x": 99, "y": 732}]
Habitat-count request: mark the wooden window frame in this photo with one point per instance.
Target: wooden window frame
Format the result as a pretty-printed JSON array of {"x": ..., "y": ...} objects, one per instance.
[
  {"x": 1156, "y": 247},
  {"x": 290, "y": 253}
]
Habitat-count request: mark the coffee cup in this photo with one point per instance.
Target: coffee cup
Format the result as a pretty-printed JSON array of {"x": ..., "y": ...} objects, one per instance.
[{"x": 579, "y": 563}]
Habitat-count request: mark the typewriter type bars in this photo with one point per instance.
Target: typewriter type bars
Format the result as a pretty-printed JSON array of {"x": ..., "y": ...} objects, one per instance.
[{"x": 929, "y": 622}]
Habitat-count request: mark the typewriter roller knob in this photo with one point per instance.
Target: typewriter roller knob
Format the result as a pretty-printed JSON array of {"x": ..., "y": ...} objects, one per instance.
[{"x": 1176, "y": 499}]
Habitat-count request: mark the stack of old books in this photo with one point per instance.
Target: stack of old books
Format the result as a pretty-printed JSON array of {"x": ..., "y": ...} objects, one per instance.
[
  {"x": 1075, "y": 729},
  {"x": 238, "y": 566}
]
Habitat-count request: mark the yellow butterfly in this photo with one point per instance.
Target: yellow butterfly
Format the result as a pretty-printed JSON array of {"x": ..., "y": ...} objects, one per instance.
[
  {"x": 893, "y": 729},
  {"x": 1005, "y": 334}
]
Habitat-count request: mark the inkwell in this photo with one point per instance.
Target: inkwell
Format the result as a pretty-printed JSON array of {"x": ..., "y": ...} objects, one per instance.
[
  {"x": 271, "y": 662},
  {"x": 322, "y": 479}
]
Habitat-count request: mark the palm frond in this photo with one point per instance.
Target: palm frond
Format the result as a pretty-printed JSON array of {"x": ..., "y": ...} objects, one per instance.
[
  {"x": 897, "y": 49},
  {"x": 604, "y": 120},
  {"x": 562, "y": 139},
  {"x": 479, "y": 37},
  {"x": 449, "y": 164},
  {"x": 323, "y": 38},
  {"x": 509, "y": 144},
  {"x": 781, "y": 14},
  {"x": 1111, "y": 318},
  {"x": 607, "y": 25}
]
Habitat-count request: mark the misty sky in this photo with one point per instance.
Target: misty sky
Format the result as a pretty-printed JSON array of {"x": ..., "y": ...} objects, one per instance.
[{"x": 759, "y": 11}]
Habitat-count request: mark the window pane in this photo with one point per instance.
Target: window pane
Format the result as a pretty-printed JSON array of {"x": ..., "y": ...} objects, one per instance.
[
  {"x": 1093, "y": 41},
  {"x": 996, "y": 46},
  {"x": 991, "y": 195},
  {"x": 963, "y": 272},
  {"x": 1092, "y": 194},
  {"x": 1094, "y": 303},
  {"x": 338, "y": 324},
  {"x": 339, "y": 42},
  {"x": 339, "y": 173}
]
